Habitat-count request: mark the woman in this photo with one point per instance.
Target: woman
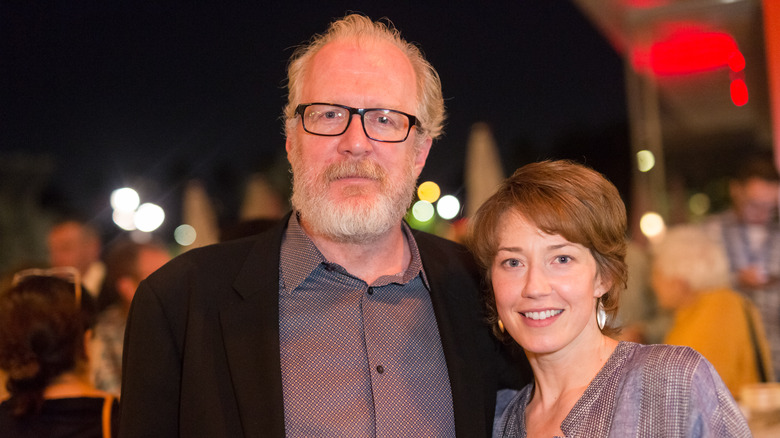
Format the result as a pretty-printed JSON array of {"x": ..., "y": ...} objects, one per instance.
[
  {"x": 552, "y": 243},
  {"x": 691, "y": 278},
  {"x": 44, "y": 326}
]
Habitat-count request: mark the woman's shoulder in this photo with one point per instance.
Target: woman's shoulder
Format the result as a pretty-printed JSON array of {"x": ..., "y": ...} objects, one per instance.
[
  {"x": 663, "y": 356},
  {"x": 667, "y": 380},
  {"x": 63, "y": 417},
  {"x": 673, "y": 367}
]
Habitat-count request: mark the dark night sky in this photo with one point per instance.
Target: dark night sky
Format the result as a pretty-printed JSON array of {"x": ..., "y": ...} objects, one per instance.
[{"x": 162, "y": 91}]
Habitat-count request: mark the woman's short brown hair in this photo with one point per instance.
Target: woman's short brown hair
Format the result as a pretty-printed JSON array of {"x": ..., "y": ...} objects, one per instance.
[{"x": 559, "y": 197}]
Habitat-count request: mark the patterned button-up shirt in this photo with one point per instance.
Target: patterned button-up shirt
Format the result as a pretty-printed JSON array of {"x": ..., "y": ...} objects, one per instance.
[{"x": 359, "y": 359}]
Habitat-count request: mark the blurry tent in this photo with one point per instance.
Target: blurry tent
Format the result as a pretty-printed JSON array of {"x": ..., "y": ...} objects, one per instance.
[
  {"x": 198, "y": 212},
  {"x": 483, "y": 172},
  {"x": 261, "y": 201}
]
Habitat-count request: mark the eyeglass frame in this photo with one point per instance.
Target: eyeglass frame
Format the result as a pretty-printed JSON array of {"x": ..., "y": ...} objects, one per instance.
[
  {"x": 56, "y": 272},
  {"x": 413, "y": 121}
]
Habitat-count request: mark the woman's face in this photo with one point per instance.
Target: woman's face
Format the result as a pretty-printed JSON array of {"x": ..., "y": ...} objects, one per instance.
[{"x": 545, "y": 287}]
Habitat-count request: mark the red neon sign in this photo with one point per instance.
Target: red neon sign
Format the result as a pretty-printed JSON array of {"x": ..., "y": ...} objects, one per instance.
[
  {"x": 691, "y": 52},
  {"x": 739, "y": 92}
]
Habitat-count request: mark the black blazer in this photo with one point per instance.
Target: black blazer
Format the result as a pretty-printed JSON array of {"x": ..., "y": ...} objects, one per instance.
[{"x": 201, "y": 355}]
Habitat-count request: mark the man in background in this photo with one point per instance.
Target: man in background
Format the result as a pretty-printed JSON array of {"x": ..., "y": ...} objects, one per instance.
[
  {"x": 76, "y": 243},
  {"x": 127, "y": 263},
  {"x": 750, "y": 234}
]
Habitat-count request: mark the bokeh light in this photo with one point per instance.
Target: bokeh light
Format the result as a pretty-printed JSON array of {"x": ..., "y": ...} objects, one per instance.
[
  {"x": 429, "y": 191},
  {"x": 125, "y": 199},
  {"x": 423, "y": 211},
  {"x": 185, "y": 234},
  {"x": 645, "y": 160},
  {"x": 149, "y": 217},
  {"x": 652, "y": 225},
  {"x": 699, "y": 204},
  {"x": 124, "y": 219},
  {"x": 448, "y": 207}
]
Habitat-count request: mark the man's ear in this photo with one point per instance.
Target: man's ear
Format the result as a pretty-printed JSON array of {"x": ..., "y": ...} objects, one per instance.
[{"x": 422, "y": 156}]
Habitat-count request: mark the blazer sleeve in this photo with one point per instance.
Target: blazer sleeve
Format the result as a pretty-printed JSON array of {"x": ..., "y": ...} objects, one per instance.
[{"x": 151, "y": 370}]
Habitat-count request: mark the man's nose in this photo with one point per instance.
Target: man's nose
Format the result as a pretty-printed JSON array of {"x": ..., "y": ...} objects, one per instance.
[{"x": 354, "y": 140}]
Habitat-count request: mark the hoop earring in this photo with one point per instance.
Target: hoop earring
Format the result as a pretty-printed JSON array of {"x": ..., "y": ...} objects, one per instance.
[
  {"x": 601, "y": 315},
  {"x": 501, "y": 326}
]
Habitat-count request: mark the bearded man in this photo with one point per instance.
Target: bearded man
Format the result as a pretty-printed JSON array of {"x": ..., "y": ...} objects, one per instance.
[{"x": 341, "y": 321}]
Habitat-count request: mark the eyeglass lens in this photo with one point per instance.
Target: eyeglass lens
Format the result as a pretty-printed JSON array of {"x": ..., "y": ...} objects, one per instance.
[{"x": 379, "y": 124}]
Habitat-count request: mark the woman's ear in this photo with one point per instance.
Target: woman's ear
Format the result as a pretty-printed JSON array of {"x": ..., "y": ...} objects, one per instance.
[{"x": 601, "y": 287}]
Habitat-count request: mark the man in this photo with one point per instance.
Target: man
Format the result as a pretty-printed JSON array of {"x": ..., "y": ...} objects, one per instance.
[
  {"x": 127, "y": 263},
  {"x": 339, "y": 321},
  {"x": 77, "y": 244},
  {"x": 750, "y": 234}
]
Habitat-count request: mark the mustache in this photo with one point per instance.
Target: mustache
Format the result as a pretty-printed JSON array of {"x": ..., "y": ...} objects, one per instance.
[{"x": 354, "y": 169}]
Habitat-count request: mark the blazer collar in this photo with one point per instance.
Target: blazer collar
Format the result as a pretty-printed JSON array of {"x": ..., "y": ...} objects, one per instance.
[{"x": 250, "y": 327}]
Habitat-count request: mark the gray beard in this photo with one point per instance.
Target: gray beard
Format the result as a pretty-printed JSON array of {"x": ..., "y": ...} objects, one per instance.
[{"x": 354, "y": 220}]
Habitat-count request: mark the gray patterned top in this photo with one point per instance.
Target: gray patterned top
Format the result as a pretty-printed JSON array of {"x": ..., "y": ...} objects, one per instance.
[{"x": 645, "y": 391}]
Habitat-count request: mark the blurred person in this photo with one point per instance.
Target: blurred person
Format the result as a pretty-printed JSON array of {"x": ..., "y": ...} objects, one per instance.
[
  {"x": 127, "y": 263},
  {"x": 6, "y": 280},
  {"x": 45, "y": 322},
  {"x": 76, "y": 243},
  {"x": 552, "y": 243},
  {"x": 640, "y": 317},
  {"x": 339, "y": 320},
  {"x": 691, "y": 277},
  {"x": 750, "y": 233}
]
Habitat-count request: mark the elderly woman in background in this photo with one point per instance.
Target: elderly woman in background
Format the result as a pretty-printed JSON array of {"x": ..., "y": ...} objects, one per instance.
[
  {"x": 44, "y": 323},
  {"x": 691, "y": 278},
  {"x": 552, "y": 243}
]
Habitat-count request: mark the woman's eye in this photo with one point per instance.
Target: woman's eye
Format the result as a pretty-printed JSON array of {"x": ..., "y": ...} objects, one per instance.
[
  {"x": 511, "y": 263},
  {"x": 563, "y": 259}
]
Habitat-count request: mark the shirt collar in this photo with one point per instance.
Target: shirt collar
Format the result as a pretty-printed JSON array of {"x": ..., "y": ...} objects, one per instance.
[{"x": 300, "y": 257}]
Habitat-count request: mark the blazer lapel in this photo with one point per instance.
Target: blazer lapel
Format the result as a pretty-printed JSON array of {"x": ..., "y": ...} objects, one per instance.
[
  {"x": 459, "y": 351},
  {"x": 250, "y": 326}
]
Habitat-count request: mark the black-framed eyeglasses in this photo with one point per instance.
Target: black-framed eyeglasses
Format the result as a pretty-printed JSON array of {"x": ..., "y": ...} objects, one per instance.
[
  {"x": 380, "y": 124},
  {"x": 66, "y": 273}
]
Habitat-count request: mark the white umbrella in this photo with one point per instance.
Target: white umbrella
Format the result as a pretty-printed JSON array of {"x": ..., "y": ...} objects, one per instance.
[{"x": 483, "y": 170}]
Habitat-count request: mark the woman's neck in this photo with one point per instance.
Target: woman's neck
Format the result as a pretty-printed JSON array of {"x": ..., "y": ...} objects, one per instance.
[
  {"x": 565, "y": 374},
  {"x": 71, "y": 384},
  {"x": 560, "y": 380}
]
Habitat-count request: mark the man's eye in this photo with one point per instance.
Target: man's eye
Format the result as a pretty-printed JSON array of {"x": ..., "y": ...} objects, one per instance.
[
  {"x": 383, "y": 120},
  {"x": 330, "y": 114}
]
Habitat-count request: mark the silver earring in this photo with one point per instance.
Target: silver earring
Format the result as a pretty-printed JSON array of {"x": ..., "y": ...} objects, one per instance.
[{"x": 601, "y": 316}]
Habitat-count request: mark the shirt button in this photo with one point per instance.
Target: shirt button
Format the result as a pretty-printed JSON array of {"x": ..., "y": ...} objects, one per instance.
[
  {"x": 371, "y": 291},
  {"x": 380, "y": 369}
]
